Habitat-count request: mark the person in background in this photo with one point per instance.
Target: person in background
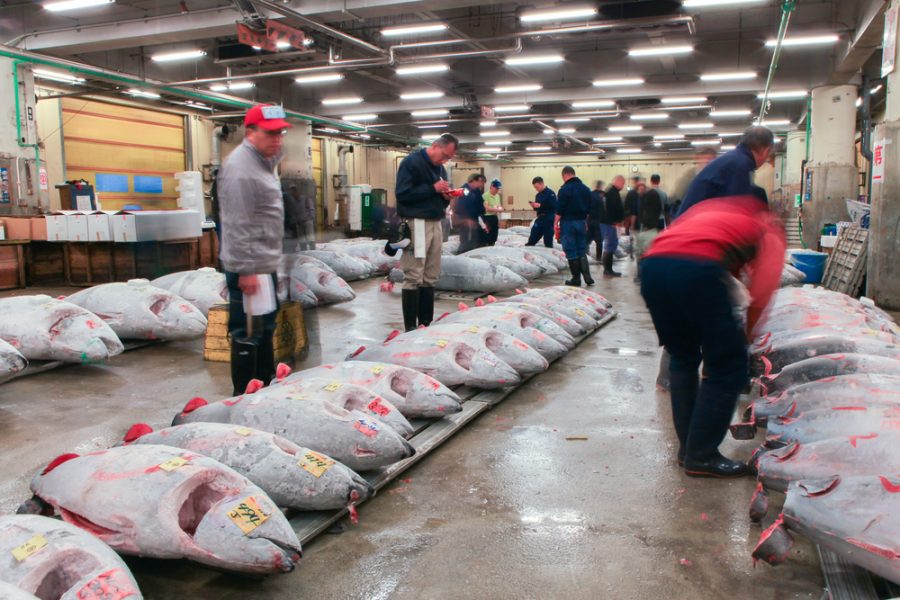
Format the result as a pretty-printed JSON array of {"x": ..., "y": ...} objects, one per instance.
[
  {"x": 613, "y": 214},
  {"x": 423, "y": 194},
  {"x": 493, "y": 206},
  {"x": 572, "y": 206},
  {"x": 595, "y": 218},
  {"x": 306, "y": 215},
  {"x": 632, "y": 199},
  {"x": 290, "y": 198},
  {"x": 544, "y": 204},
  {"x": 655, "y": 180},
  {"x": 469, "y": 213},
  {"x": 648, "y": 222},
  {"x": 732, "y": 173},
  {"x": 252, "y": 214},
  {"x": 683, "y": 282},
  {"x": 703, "y": 157}
]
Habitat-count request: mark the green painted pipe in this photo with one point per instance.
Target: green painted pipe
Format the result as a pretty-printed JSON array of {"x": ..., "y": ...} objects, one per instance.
[{"x": 37, "y": 150}]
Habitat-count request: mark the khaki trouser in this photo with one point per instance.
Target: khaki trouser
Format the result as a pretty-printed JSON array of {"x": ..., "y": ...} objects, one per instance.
[{"x": 423, "y": 272}]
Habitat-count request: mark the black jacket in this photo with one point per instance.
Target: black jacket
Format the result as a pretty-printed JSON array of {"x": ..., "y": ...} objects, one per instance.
[
  {"x": 632, "y": 202},
  {"x": 547, "y": 199},
  {"x": 615, "y": 213},
  {"x": 651, "y": 209},
  {"x": 416, "y": 198},
  {"x": 573, "y": 200},
  {"x": 597, "y": 210}
]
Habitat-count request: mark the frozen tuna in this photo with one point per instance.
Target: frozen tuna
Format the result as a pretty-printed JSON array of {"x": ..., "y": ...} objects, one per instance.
[
  {"x": 292, "y": 476},
  {"x": 535, "y": 306},
  {"x": 42, "y": 328},
  {"x": 138, "y": 310},
  {"x": 48, "y": 558},
  {"x": 516, "y": 264},
  {"x": 858, "y": 518},
  {"x": 791, "y": 275},
  {"x": 557, "y": 258},
  {"x": 828, "y": 365},
  {"x": 327, "y": 287},
  {"x": 352, "y": 437},
  {"x": 462, "y": 274},
  {"x": 562, "y": 304},
  {"x": 415, "y": 394},
  {"x": 164, "y": 502},
  {"x": 536, "y": 259},
  {"x": 11, "y": 361},
  {"x": 291, "y": 288},
  {"x": 451, "y": 362},
  {"x": 836, "y": 421},
  {"x": 348, "y": 268},
  {"x": 373, "y": 253},
  {"x": 777, "y": 355},
  {"x": 204, "y": 288}
]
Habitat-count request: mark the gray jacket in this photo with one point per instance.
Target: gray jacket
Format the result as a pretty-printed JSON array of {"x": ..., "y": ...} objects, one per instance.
[{"x": 252, "y": 212}]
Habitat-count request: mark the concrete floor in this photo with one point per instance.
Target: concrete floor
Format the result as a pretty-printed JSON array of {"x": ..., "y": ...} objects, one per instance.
[{"x": 507, "y": 509}]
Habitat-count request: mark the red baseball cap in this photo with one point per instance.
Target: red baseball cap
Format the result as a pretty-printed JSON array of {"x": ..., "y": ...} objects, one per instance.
[{"x": 267, "y": 116}]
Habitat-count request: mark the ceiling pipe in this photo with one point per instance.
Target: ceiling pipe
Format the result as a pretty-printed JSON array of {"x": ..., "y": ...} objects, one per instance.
[
  {"x": 568, "y": 137},
  {"x": 786, "y": 9},
  {"x": 605, "y": 25},
  {"x": 326, "y": 29}
]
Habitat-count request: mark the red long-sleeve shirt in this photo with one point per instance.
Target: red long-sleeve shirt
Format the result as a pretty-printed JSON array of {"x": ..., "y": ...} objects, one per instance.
[{"x": 736, "y": 232}]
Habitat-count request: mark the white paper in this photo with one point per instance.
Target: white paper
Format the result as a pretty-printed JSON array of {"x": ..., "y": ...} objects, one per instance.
[
  {"x": 83, "y": 203},
  {"x": 263, "y": 301},
  {"x": 419, "y": 238}
]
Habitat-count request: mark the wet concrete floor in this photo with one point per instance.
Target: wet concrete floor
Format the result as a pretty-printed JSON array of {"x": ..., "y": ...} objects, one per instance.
[{"x": 511, "y": 507}]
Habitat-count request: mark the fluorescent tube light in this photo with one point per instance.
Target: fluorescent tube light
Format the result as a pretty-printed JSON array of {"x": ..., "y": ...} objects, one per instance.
[
  {"x": 413, "y": 29},
  {"x": 180, "y": 55},
  {"x": 323, "y": 78},
  {"x": 660, "y": 50}
]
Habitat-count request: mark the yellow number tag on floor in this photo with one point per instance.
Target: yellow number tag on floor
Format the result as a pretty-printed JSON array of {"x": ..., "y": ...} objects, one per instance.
[
  {"x": 248, "y": 515},
  {"x": 442, "y": 343},
  {"x": 315, "y": 464},
  {"x": 377, "y": 369},
  {"x": 22, "y": 552},
  {"x": 242, "y": 431},
  {"x": 580, "y": 312},
  {"x": 333, "y": 386},
  {"x": 473, "y": 329},
  {"x": 173, "y": 463}
]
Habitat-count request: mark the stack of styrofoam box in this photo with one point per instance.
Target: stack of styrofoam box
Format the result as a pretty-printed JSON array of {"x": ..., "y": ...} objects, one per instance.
[{"x": 189, "y": 185}]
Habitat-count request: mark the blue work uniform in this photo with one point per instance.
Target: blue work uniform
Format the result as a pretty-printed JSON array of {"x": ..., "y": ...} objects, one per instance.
[
  {"x": 572, "y": 205},
  {"x": 543, "y": 224}
]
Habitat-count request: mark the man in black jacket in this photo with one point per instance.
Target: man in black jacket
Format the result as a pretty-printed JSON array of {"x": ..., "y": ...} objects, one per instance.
[
  {"x": 423, "y": 194},
  {"x": 614, "y": 214},
  {"x": 595, "y": 218},
  {"x": 572, "y": 205},
  {"x": 544, "y": 204}
]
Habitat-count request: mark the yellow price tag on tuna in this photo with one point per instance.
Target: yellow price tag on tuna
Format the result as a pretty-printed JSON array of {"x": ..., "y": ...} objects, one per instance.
[
  {"x": 242, "y": 431},
  {"x": 377, "y": 369},
  {"x": 333, "y": 386},
  {"x": 442, "y": 343},
  {"x": 22, "y": 552},
  {"x": 580, "y": 312},
  {"x": 315, "y": 464},
  {"x": 173, "y": 463},
  {"x": 248, "y": 515},
  {"x": 473, "y": 329}
]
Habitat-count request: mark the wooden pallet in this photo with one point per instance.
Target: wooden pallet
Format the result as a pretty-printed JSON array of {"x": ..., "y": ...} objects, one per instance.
[
  {"x": 846, "y": 266},
  {"x": 290, "y": 334}
]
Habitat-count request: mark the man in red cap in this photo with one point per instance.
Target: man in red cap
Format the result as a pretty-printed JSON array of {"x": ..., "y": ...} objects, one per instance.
[{"x": 252, "y": 215}]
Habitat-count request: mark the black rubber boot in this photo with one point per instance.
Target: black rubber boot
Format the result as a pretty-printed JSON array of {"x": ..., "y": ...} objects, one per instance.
[
  {"x": 243, "y": 364},
  {"x": 586, "y": 270},
  {"x": 575, "y": 268},
  {"x": 265, "y": 360},
  {"x": 608, "y": 266},
  {"x": 426, "y": 305},
  {"x": 410, "y": 299}
]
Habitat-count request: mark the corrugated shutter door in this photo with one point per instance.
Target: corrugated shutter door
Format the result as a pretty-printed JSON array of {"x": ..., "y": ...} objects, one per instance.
[{"x": 130, "y": 155}]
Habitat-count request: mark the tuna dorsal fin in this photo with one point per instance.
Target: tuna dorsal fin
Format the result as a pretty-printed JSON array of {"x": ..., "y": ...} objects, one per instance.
[
  {"x": 491, "y": 299},
  {"x": 254, "y": 386},
  {"x": 392, "y": 335},
  {"x": 479, "y": 302},
  {"x": 282, "y": 371},
  {"x": 193, "y": 404},
  {"x": 442, "y": 316},
  {"x": 135, "y": 431},
  {"x": 358, "y": 351},
  {"x": 768, "y": 364},
  {"x": 518, "y": 291},
  {"x": 462, "y": 306},
  {"x": 58, "y": 461}
]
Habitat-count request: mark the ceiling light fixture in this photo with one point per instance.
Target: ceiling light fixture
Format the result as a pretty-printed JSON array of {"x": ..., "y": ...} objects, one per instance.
[
  {"x": 668, "y": 137},
  {"x": 537, "y": 148},
  {"x": 719, "y": 114},
  {"x": 660, "y": 50},
  {"x": 594, "y": 104},
  {"x": 240, "y": 85},
  {"x": 422, "y": 95},
  {"x": 536, "y": 59},
  {"x": 773, "y": 122},
  {"x": 74, "y": 4},
  {"x": 708, "y": 3},
  {"x": 498, "y": 143},
  {"x": 686, "y": 107},
  {"x": 609, "y": 138},
  {"x": 783, "y": 95},
  {"x": 618, "y": 82},
  {"x": 875, "y": 89},
  {"x": 423, "y": 69},
  {"x": 324, "y": 78},
  {"x": 807, "y": 40},
  {"x": 650, "y": 117},
  {"x": 558, "y": 15},
  {"x": 573, "y": 120},
  {"x": 488, "y": 124},
  {"x": 495, "y": 133},
  {"x": 329, "y": 130},
  {"x": 142, "y": 94},
  {"x": 628, "y": 151},
  {"x": 657, "y": 144},
  {"x": 727, "y": 147},
  {"x": 281, "y": 45},
  {"x": 431, "y": 126},
  {"x": 695, "y": 126},
  {"x": 486, "y": 150},
  {"x": 180, "y": 55},
  {"x": 511, "y": 89},
  {"x": 413, "y": 29},
  {"x": 360, "y": 118},
  {"x": 509, "y": 108},
  {"x": 625, "y": 128},
  {"x": 566, "y": 129},
  {"x": 715, "y": 142},
  {"x": 730, "y": 76},
  {"x": 430, "y": 112},
  {"x": 342, "y": 101},
  {"x": 55, "y": 76},
  {"x": 683, "y": 99},
  {"x": 364, "y": 136}
]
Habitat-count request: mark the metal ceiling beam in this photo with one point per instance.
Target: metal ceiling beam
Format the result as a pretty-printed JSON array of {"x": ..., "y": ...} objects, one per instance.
[{"x": 866, "y": 39}]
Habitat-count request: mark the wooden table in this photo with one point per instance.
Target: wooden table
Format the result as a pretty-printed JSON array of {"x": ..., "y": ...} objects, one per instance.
[{"x": 12, "y": 264}]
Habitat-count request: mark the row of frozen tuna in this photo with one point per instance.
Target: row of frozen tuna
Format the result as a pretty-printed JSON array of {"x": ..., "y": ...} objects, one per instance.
[
  {"x": 88, "y": 326},
  {"x": 828, "y": 367}
]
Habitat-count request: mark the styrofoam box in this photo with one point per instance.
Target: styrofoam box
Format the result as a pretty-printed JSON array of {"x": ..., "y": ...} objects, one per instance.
[
  {"x": 77, "y": 226},
  {"x": 56, "y": 228},
  {"x": 99, "y": 227},
  {"x": 156, "y": 225}
]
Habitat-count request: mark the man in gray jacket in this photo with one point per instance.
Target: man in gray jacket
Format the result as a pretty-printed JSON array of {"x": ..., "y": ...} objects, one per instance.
[{"x": 252, "y": 214}]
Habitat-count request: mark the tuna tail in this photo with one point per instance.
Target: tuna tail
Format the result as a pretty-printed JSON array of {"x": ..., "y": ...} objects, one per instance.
[
  {"x": 768, "y": 365},
  {"x": 357, "y": 352},
  {"x": 193, "y": 404},
  {"x": 136, "y": 431},
  {"x": 479, "y": 302},
  {"x": 491, "y": 299},
  {"x": 391, "y": 335},
  {"x": 282, "y": 371},
  {"x": 254, "y": 386},
  {"x": 462, "y": 306},
  {"x": 759, "y": 504},
  {"x": 518, "y": 291},
  {"x": 774, "y": 544},
  {"x": 446, "y": 314},
  {"x": 35, "y": 506},
  {"x": 58, "y": 461},
  {"x": 744, "y": 431}
]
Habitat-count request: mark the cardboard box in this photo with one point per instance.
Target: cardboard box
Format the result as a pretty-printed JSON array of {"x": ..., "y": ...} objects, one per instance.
[
  {"x": 39, "y": 228},
  {"x": 99, "y": 226},
  {"x": 18, "y": 228},
  {"x": 56, "y": 228},
  {"x": 77, "y": 227},
  {"x": 156, "y": 225}
]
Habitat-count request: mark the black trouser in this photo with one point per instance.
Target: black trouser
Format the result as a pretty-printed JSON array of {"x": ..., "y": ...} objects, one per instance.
[
  {"x": 542, "y": 228},
  {"x": 469, "y": 236},
  {"x": 263, "y": 327},
  {"x": 493, "y": 224},
  {"x": 693, "y": 316}
]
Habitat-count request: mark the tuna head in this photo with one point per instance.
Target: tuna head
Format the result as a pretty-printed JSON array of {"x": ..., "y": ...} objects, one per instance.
[
  {"x": 424, "y": 396},
  {"x": 198, "y": 410},
  {"x": 11, "y": 361},
  {"x": 268, "y": 542},
  {"x": 177, "y": 318},
  {"x": 505, "y": 279},
  {"x": 80, "y": 335},
  {"x": 332, "y": 288},
  {"x": 485, "y": 370}
]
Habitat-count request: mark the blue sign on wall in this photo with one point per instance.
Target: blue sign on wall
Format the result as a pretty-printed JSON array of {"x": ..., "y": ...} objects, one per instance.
[
  {"x": 148, "y": 185},
  {"x": 4, "y": 185},
  {"x": 108, "y": 182}
]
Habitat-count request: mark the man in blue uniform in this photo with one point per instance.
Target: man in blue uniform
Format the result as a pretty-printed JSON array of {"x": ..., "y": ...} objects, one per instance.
[
  {"x": 545, "y": 205},
  {"x": 572, "y": 206}
]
